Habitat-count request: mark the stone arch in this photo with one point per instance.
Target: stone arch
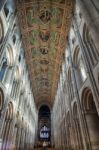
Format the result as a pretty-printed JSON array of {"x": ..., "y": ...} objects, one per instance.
[
  {"x": 44, "y": 121},
  {"x": 43, "y": 102},
  {"x": 9, "y": 55},
  {"x": 91, "y": 115},
  {"x": 87, "y": 100}
]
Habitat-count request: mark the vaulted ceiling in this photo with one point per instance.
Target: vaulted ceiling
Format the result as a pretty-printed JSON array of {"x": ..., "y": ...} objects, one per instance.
[{"x": 44, "y": 27}]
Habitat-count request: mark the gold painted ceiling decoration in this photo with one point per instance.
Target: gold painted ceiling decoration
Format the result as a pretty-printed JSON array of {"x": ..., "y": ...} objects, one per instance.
[{"x": 44, "y": 26}]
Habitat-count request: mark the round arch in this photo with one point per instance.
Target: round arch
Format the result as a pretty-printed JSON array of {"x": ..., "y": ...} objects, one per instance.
[
  {"x": 91, "y": 116},
  {"x": 44, "y": 110},
  {"x": 9, "y": 55},
  {"x": 40, "y": 103},
  {"x": 44, "y": 124},
  {"x": 87, "y": 99}
]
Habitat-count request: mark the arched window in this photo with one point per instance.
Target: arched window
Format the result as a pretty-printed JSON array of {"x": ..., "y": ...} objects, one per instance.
[{"x": 90, "y": 113}]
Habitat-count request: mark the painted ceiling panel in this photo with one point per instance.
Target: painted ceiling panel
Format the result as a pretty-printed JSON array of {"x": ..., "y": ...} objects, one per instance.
[{"x": 44, "y": 26}]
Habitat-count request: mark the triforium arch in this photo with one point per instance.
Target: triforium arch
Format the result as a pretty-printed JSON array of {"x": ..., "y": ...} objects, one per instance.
[
  {"x": 7, "y": 127},
  {"x": 91, "y": 116},
  {"x": 78, "y": 144}
]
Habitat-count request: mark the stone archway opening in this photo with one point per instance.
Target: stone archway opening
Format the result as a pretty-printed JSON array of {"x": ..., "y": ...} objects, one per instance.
[
  {"x": 92, "y": 117},
  {"x": 44, "y": 126}
]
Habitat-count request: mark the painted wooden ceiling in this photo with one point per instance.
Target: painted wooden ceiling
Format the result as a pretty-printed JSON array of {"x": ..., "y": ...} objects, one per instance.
[{"x": 44, "y": 26}]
